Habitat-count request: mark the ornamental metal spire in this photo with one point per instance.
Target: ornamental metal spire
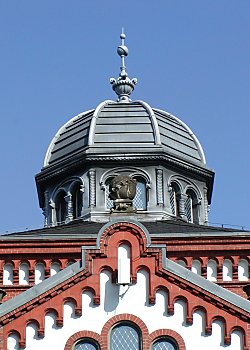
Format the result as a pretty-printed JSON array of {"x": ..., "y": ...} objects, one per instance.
[{"x": 123, "y": 86}]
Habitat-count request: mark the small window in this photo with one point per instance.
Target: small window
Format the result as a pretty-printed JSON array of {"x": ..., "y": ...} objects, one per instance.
[
  {"x": 140, "y": 200},
  {"x": 8, "y": 274},
  {"x": 108, "y": 201},
  {"x": 124, "y": 262},
  {"x": 174, "y": 199},
  {"x": 125, "y": 337},
  {"x": 24, "y": 274},
  {"x": 165, "y": 344},
  {"x": 191, "y": 207},
  {"x": 60, "y": 206},
  {"x": 86, "y": 344},
  {"x": 77, "y": 200}
]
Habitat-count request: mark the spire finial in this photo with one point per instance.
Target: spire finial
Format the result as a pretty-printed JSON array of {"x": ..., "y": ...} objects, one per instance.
[{"x": 123, "y": 86}]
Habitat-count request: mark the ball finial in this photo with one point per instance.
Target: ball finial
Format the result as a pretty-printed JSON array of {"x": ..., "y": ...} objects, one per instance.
[
  {"x": 122, "y": 50},
  {"x": 123, "y": 86}
]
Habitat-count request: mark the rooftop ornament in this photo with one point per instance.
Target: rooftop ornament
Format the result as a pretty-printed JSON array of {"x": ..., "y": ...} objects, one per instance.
[{"x": 123, "y": 86}]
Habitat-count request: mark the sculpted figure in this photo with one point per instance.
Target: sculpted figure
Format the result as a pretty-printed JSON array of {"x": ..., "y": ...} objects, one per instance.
[{"x": 122, "y": 192}]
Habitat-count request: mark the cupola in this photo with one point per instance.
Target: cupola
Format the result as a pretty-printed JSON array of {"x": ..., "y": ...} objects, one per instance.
[{"x": 120, "y": 143}]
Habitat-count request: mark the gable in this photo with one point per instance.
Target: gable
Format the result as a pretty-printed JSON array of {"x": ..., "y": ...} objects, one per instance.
[{"x": 162, "y": 295}]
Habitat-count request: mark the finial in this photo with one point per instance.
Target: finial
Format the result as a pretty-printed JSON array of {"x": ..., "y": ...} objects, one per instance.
[{"x": 123, "y": 86}]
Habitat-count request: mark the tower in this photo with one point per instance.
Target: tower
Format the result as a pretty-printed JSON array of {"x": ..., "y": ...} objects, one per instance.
[
  {"x": 131, "y": 138},
  {"x": 126, "y": 258}
]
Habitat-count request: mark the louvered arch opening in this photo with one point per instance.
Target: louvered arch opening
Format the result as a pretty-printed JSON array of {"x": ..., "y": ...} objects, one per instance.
[
  {"x": 174, "y": 198},
  {"x": 60, "y": 207},
  {"x": 191, "y": 207},
  {"x": 77, "y": 200}
]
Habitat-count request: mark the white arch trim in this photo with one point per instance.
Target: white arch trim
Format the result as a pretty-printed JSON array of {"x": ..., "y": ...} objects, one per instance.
[
  {"x": 66, "y": 186},
  {"x": 196, "y": 141},
  {"x": 57, "y": 135},
  {"x": 154, "y": 122},
  {"x": 94, "y": 120},
  {"x": 131, "y": 170},
  {"x": 190, "y": 185}
]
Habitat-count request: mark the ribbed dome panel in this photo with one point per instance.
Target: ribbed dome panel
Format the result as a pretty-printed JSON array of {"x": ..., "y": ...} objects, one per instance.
[
  {"x": 177, "y": 138},
  {"x": 123, "y": 125},
  {"x": 72, "y": 138},
  {"x": 122, "y": 128}
]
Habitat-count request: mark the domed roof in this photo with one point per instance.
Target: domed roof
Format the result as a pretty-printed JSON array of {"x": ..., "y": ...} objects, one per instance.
[{"x": 124, "y": 127}]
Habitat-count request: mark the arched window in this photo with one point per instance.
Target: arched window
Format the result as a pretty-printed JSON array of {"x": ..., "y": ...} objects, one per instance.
[
  {"x": 227, "y": 270},
  {"x": 39, "y": 273},
  {"x": 174, "y": 198},
  {"x": 140, "y": 200},
  {"x": 243, "y": 270},
  {"x": 8, "y": 274},
  {"x": 191, "y": 207},
  {"x": 196, "y": 267},
  {"x": 165, "y": 344},
  {"x": 124, "y": 262},
  {"x": 182, "y": 263},
  {"x": 13, "y": 341},
  {"x": 125, "y": 336},
  {"x": 86, "y": 344},
  {"x": 108, "y": 201},
  {"x": 54, "y": 268},
  {"x": 60, "y": 207},
  {"x": 24, "y": 274},
  {"x": 77, "y": 200},
  {"x": 212, "y": 270}
]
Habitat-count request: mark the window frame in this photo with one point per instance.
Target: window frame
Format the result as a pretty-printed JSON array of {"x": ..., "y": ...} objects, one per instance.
[
  {"x": 167, "y": 339},
  {"x": 87, "y": 340},
  {"x": 77, "y": 199},
  {"x": 60, "y": 207},
  {"x": 131, "y": 325},
  {"x": 139, "y": 179}
]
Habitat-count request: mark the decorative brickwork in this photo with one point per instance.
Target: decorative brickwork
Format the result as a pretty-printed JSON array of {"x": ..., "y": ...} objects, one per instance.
[
  {"x": 147, "y": 339},
  {"x": 142, "y": 257},
  {"x": 160, "y": 333},
  {"x": 80, "y": 335}
]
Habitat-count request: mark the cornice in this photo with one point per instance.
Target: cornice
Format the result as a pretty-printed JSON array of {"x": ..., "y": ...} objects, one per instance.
[{"x": 84, "y": 160}]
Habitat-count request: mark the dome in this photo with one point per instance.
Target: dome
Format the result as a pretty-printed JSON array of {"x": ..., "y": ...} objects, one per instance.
[
  {"x": 124, "y": 127},
  {"x": 99, "y": 158}
]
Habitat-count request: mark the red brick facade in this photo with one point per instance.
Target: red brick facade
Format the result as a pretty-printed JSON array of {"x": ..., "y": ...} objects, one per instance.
[{"x": 142, "y": 257}]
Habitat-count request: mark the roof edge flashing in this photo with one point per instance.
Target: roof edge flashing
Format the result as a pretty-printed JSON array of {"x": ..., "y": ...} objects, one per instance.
[
  {"x": 154, "y": 123},
  {"x": 57, "y": 135},
  {"x": 97, "y": 111},
  {"x": 196, "y": 141}
]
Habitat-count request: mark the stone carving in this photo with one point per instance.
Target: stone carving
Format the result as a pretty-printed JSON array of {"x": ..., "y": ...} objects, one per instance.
[
  {"x": 159, "y": 186},
  {"x": 122, "y": 191},
  {"x": 92, "y": 188}
]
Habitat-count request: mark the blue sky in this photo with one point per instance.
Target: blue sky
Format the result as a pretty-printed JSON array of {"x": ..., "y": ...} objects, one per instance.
[{"x": 191, "y": 59}]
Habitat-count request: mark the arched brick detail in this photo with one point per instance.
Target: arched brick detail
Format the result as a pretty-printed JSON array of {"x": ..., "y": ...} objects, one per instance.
[
  {"x": 82, "y": 334},
  {"x": 166, "y": 333},
  {"x": 119, "y": 319},
  {"x": 137, "y": 231},
  {"x": 240, "y": 330}
]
